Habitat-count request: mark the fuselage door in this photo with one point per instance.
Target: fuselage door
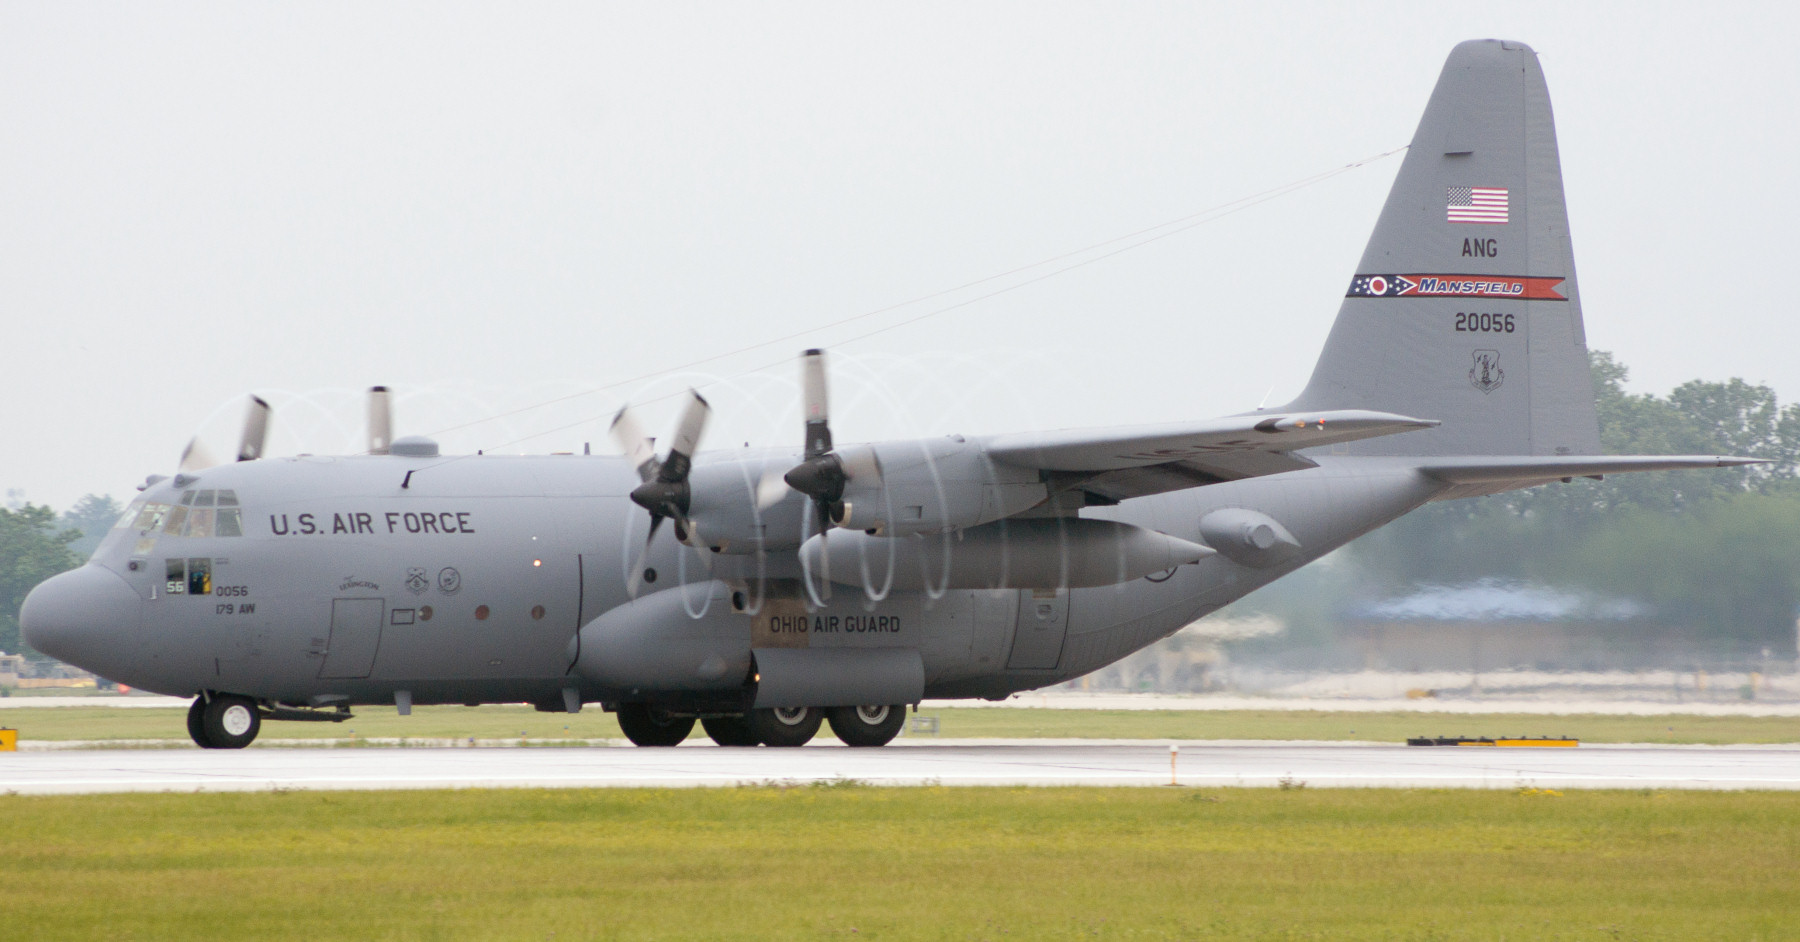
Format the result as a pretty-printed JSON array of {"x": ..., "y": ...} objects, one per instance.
[
  {"x": 1038, "y": 634},
  {"x": 355, "y": 637}
]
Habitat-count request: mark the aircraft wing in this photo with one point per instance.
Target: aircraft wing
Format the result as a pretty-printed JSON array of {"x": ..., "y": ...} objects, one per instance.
[{"x": 1120, "y": 463}]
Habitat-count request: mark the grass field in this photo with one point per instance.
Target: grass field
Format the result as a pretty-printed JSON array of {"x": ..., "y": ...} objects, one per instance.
[
  {"x": 501, "y": 722},
  {"x": 854, "y": 862}
]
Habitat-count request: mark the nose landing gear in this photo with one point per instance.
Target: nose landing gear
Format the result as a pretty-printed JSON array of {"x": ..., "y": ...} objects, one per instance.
[{"x": 223, "y": 721}]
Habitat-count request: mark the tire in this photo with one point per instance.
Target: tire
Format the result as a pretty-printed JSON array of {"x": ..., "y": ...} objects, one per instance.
[
  {"x": 647, "y": 727},
  {"x": 230, "y": 722},
  {"x": 786, "y": 727},
  {"x": 196, "y": 723},
  {"x": 867, "y": 725},
  {"x": 730, "y": 731}
]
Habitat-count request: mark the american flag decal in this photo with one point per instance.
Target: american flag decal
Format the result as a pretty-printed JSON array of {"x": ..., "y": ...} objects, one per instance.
[{"x": 1481, "y": 204}]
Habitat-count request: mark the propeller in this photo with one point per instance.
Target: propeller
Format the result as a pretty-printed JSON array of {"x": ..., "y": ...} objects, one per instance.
[
  {"x": 820, "y": 474},
  {"x": 381, "y": 421},
  {"x": 254, "y": 439},
  {"x": 256, "y": 430},
  {"x": 196, "y": 457},
  {"x": 664, "y": 491}
]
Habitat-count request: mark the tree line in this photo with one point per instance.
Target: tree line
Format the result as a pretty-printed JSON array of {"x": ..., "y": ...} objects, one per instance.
[{"x": 37, "y": 543}]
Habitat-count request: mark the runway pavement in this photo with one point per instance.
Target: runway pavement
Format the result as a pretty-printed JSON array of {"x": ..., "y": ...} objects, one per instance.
[
  {"x": 969, "y": 762},
  {"x": 1551, "y": 704}
]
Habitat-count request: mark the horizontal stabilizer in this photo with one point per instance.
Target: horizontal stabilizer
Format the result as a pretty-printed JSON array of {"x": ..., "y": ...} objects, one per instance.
[{"x": 1522, "y": 471}]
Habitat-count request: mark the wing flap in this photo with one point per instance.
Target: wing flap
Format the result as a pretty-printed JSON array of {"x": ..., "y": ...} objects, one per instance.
[{"x": 1228, "y": 448}]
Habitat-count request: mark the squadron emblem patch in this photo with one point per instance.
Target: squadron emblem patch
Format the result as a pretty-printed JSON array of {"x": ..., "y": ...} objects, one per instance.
[
  {"x": 416, "y": 580},
  {"x": 1486, "y": 374}
]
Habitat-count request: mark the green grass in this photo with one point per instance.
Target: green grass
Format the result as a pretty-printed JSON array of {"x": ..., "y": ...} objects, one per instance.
[
  {"x": 501, "y": 722},
  {"x": 924, "y": 863}
]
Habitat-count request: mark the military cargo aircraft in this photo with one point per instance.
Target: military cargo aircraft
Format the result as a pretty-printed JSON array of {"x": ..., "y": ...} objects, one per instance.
[{"x": 841, "y": 583}]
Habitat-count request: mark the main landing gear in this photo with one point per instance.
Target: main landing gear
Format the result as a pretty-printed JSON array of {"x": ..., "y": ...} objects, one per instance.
[
  {"x": 856, "y": 726},
  {"x": 646, "y": 726},
  {"x": 867, "y": 725},
  {"x": 223, "y": 721}
]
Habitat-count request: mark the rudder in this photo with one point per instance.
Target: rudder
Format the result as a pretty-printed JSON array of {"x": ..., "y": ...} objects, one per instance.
[{"x": 1464, "y": 307}]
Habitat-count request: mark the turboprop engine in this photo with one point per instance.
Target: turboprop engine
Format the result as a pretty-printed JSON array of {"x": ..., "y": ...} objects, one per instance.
[{"x": 1040, "y": 553}]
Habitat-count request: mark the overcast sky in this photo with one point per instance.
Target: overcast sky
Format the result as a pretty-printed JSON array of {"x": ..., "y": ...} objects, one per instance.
[{"x": 519, "y": 215}]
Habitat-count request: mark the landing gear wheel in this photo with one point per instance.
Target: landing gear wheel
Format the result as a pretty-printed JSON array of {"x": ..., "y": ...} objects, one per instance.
[
  {"x": 196, "y": 723},
  {"x": 792, "y": 726},
  {"x": 230, "y": 722},
  {"x": 867, "y": 725},
  {"x": 647, "y": 727},
  {"x": 730, "y": 731}
]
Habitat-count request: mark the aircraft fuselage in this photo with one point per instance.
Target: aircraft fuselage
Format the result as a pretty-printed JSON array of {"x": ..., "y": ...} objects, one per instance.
[{"x": 471, "y": 583}]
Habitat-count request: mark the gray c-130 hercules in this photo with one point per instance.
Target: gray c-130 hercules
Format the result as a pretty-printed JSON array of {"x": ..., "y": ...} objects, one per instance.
[{"x": 846, "y": 582}]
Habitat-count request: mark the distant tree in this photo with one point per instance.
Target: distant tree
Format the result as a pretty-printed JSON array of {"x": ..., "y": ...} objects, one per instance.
[
  {"x": 32, "y": 549},
  {"x": 1730, "y": 568},
  {"x": 93, "y": 515}
]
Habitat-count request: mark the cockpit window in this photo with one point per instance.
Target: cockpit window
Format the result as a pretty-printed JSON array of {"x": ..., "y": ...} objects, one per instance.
[
  {"x": 196, "y": 516},
  {"x": 199, "y": 576},
  {"x": 150, "y": 516},
  {"x": 130, "y": 515}
]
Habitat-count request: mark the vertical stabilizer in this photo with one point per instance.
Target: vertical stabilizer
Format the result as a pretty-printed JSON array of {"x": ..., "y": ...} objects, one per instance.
[{"x": 1464, "y": 307}]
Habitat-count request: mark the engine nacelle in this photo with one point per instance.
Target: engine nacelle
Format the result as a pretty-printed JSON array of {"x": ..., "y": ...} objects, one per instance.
[
  {"x": 1041, "y": 553},
  {"x": 655, "y": 645},
  {"x": 739, "y": 502},
  {"x": 930, "y": 485}
]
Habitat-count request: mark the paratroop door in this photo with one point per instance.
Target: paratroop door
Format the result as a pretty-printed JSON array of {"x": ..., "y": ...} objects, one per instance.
[
  {"x": 355, "y": 637},
  {"x": 1038, "y": 636}
]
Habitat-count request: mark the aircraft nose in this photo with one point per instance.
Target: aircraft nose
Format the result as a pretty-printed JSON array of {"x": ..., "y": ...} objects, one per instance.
[{"x": 84, "y": 617}]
